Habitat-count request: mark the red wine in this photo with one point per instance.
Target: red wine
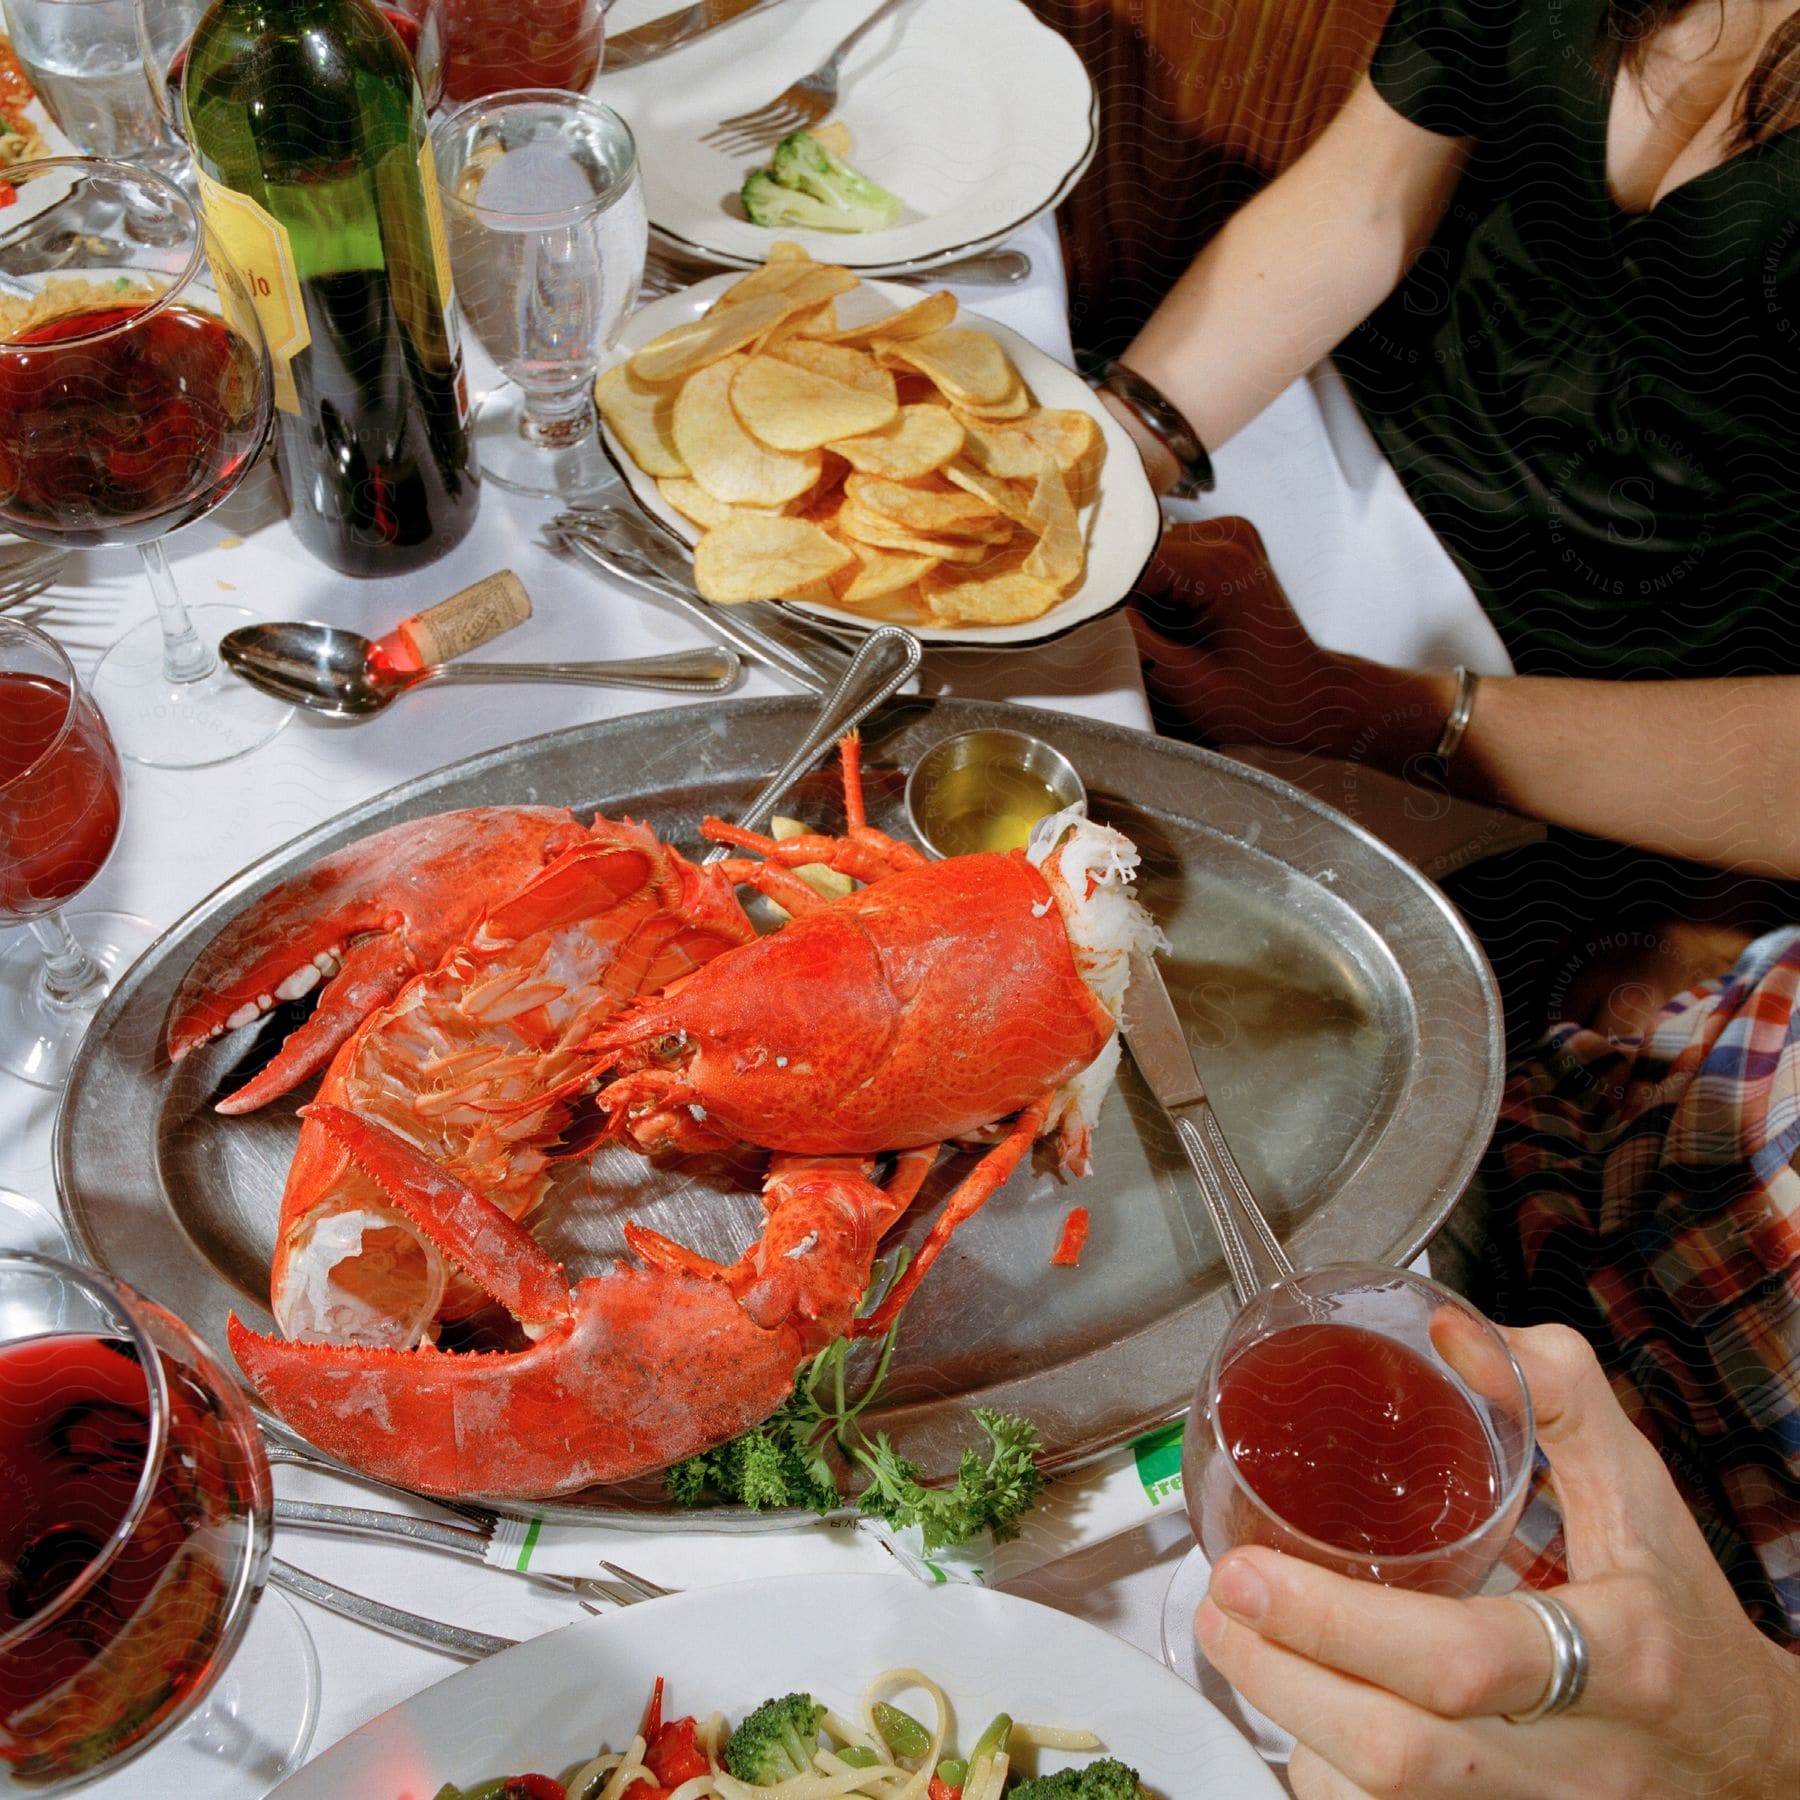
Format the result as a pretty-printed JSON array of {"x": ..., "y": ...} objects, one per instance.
[
  {"x": 123, "y": 1632},
  {"x": 492, "y": 45},
  {"x": 317, "y": 177},
  {"x": 1357, "y": 1441},
  {"x": 392, "y": 430},
  {"x": 58, "y": 824},
  {"x": 119, "y": 423}
]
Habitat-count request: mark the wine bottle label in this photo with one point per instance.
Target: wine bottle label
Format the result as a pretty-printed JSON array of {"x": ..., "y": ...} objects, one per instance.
[
  {"x": 467, "y": 620},
  {"x": 434, "y": 219},
  {"x": 258, "y": 247}
]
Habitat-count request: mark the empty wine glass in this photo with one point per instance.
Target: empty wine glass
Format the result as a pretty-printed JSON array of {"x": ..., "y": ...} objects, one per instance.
[
  {"x": 544, "y": 209},
  {"x": 134, "y": 395},
  {"x": 135, "y": 1538},
  {"x": 60, "y": 803},
  {"x": 1363, "y": 1418}
]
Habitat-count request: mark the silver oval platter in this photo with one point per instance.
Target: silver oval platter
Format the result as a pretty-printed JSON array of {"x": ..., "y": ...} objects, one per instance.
[{"x": 1342, "y": 1017}]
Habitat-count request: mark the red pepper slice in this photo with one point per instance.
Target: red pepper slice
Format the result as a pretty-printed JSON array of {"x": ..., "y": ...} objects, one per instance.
[
  {"x": 8, "y": 193},
  {"x": 652, "y": 1713},
  {"x": 1074, "y": 1235},
  {"x": 534, "y": 1787},
  {"x": 937, "y": 1791},
  {"x": 673, "y": 1755}
]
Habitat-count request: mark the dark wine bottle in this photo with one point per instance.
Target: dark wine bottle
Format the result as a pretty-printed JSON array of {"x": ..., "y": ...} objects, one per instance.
[{"x": 317, "y": 181}]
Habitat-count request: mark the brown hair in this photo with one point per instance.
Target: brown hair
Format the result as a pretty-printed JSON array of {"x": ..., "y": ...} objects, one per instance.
[{"x": 1770, "y": 100}]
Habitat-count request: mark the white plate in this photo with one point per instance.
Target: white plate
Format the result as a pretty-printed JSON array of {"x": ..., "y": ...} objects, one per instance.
[
  {"x": 1121, "y": 526},
  {"x": 975, "y": 113},
  {"x": 552, "y": 1701}
]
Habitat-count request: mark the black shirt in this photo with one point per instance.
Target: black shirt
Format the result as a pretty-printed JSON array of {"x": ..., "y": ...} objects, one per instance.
[{"x": 1598, "y": 412}]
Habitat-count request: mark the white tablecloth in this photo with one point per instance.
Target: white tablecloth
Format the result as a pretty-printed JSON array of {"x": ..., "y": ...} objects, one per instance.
[{"x": 185, "y": 832}]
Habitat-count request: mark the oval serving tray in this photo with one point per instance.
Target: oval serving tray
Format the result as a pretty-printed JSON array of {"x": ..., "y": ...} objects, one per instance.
[{"x": 1343, "y": 1018}]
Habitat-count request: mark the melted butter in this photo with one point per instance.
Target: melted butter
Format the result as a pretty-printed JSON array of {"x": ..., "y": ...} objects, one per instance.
[{"x": 986, "y": 804}]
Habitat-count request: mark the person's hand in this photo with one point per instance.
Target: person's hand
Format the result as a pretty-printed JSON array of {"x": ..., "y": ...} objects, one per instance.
[
  {"x": 1225, "y": 655},
  {"x": 1397, "y": 1693}
]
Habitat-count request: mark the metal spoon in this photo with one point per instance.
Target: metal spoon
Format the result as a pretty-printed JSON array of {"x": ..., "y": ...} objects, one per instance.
[{"x": 336, "y": 672}]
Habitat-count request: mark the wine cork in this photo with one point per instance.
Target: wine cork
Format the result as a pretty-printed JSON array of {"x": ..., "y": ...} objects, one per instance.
[{"x": 462, "y": 623}]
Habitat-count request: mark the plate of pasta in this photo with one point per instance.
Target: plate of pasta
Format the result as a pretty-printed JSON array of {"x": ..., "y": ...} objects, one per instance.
[{"x": 829, "y": 1685}]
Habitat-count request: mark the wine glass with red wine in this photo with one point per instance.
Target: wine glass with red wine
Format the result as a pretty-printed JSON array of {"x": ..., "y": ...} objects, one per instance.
[
  {"x": 134, "y": 1545},
  {"x": 60, "y": 805},
  {"x": 1363, "y": 1418},
  {"x": 135, "y": 393},
  {"x": 494, "y": 45}
]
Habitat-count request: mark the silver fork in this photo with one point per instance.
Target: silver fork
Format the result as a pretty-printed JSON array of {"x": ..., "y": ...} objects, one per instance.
[
  {"x": 802, "y": 102},
  {"x": 25, "y": 576}
]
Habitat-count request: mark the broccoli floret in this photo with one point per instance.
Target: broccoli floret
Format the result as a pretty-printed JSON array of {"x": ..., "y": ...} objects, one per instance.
[
  {"x": 776, "y": 1742},
  {"x": 1103, "y": 1780},
  {"x": 807, "y": 185}
]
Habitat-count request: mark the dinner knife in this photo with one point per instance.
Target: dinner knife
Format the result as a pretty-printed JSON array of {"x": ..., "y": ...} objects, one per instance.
[
  {"x": 659, "y": 36},
  {"x": 1151, "y": 1028}
]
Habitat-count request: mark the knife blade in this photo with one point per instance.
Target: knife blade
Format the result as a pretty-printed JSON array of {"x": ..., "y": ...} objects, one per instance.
[
  {"x": 1152, "y": 1031},
  {"x": 659, "y": 36}
]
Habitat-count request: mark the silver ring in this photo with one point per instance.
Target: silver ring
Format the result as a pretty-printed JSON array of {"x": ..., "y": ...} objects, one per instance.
[{"x": 1568, "y": 1656}]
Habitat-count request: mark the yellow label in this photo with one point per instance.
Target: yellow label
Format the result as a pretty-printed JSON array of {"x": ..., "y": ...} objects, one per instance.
[
  {"x": 434, "y": 220},
  {"x": 260, "y": 252}
]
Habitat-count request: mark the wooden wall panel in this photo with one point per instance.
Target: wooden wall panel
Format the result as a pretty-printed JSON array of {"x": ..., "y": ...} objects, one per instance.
[{"x": 1201, "y": 101}]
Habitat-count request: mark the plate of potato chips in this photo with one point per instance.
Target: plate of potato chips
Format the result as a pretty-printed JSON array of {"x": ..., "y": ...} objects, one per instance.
[{"x": 875, "y": 456}]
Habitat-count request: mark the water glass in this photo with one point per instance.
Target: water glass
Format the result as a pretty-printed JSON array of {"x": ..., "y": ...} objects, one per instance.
[
  {"x": 544, "y": 209},
  {"x": 84, "y": 59}
]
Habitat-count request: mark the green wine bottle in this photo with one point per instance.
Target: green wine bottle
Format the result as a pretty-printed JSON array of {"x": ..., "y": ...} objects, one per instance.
[{"x": 317, "y": 181}]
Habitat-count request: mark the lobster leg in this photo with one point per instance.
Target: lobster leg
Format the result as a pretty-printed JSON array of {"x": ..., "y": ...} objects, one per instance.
[{"x": 975, "y": 1191}]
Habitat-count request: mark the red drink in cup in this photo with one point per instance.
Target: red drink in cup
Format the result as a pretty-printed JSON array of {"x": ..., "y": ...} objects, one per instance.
[
  {"x": 1333, "y": 1425},
  {"x": 59, "y": 793},
  {"x": 492, "y": 46}
]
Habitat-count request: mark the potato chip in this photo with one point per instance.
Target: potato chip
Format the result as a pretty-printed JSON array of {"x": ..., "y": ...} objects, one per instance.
[
  {"x": 1009, "y": 497},
  {"x": 786, "y": 250},
  {"x": 790, "y": 408},
  {"x": 1059, "y": 555},
  {"x": 759, "y": 558},
  {"x": 854, "y": 368},
  {"x": 879, "y": 573},
  {"x": 854, "y": 521},
  {"x": 798, "y": 280},
  {"x": 967, "y": 365},
  {"x": 978, "y": 597},
  {"x": 835, "y": 137},
  {"x": 723, "y": 330},
  {"x": 925, "y": 508},
  {"x": 722, "y": 456},
  {"x": 641, "y": 415},
  {"x": 919, "y": 440},
  {"x": 931, "y": 314},
  {"x": 1015, "y": 403},
  {"x": 1015, "y": 450},
  {"x": 692, "y": 501}
]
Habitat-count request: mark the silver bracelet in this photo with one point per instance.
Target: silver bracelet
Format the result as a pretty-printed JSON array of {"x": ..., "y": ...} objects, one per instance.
[
  {"x": 1462, "y": 708},
  {"x": 1165, "y": 421}
]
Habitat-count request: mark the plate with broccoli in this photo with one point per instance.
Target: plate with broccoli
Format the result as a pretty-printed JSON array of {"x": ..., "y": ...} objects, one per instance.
[
  {"x": 958, "y": 122},
  {"x": 806, "y": 1672}
]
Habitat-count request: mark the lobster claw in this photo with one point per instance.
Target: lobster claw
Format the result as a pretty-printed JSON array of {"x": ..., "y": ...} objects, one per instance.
[
  {"x": 362, "y": 923},
  {"x": 630, "y": 1372}
]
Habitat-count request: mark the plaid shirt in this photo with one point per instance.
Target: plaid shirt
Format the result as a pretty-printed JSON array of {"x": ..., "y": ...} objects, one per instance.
[{"x": 1651, "y": 1192}]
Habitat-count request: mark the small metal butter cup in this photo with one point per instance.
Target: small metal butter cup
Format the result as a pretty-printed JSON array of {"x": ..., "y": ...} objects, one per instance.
[{"x": 990, "y": 747}]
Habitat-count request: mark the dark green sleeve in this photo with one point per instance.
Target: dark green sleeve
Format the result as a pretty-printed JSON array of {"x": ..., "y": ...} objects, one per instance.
[{"x": 1440, "y": 62}]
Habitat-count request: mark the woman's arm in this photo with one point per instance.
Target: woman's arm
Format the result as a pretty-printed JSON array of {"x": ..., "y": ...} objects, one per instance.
[
  {"x": 1706, "y": 770},
  {"x": 1295, "y": 270}
]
